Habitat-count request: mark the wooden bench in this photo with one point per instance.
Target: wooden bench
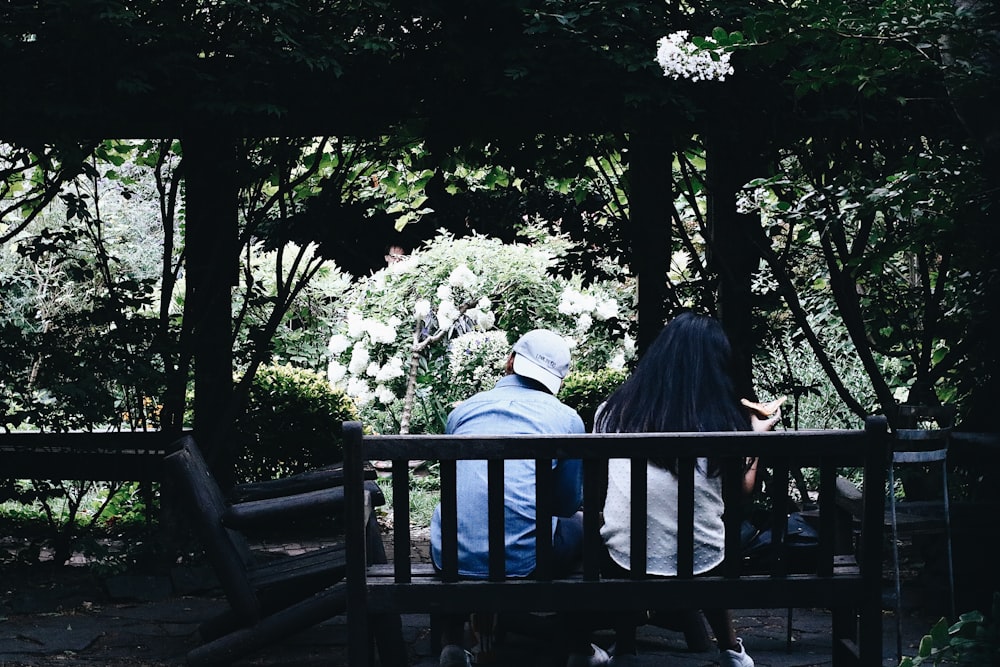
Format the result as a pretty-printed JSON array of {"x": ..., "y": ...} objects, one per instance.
[
  {"x": 271, "y": 598},
  {"x": 850, "y": 585}
]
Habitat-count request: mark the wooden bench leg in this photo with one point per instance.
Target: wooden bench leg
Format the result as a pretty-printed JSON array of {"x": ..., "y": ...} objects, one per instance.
[{"x": 387, "y": 631}]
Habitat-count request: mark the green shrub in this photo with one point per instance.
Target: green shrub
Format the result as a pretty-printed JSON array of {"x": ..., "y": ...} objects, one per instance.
[
  {"x": 585, "y": 390},
  {"x": 973, "y": 640},
  {"x": 292, "y": 423}
]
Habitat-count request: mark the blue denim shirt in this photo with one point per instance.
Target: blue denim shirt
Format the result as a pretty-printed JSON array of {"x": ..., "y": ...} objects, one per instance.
[{"x": 512, "y": 407}]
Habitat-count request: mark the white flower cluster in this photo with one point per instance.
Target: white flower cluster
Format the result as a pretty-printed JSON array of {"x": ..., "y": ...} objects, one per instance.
[
  {"x": 620, "y": 357},
  {"x": 586, "y": 307},
  {"x": 750, "y": 201},
  {"x": 464, "y": 280},
  {"x": 360, "y": 336},
  {"x": 357, "y": 353},
  {"x": 680, "y": 59}
]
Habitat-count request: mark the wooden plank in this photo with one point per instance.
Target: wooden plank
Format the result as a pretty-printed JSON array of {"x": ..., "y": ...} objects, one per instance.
[
  {"x": 119, "y": 456},
  {"x": 844, "y": 447},
  {"x": 430, "y": 594}
]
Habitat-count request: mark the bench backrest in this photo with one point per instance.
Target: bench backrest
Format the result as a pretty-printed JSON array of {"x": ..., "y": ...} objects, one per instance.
[
  {"x": 226, "y": 549},
  {"x": 827, "y": 450}
]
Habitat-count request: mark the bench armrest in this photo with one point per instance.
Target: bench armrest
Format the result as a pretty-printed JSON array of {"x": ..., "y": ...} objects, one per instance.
[
  {"x": 310, "y": 480},
  {"x": 322, "y": 502}
]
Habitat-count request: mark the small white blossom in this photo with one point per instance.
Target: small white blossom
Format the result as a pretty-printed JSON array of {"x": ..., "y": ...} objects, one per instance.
[
  {"x": 373, "y": 369},
  {"x": 335, "y": 373},
  {"x": 380, "y": 332},
  {"x": 484, "y": 304},
  {"x": 606, "y": 309},
  {"x": 359, "y": 391},
  {"x": 617, "y": 362},
  {"x": 462, "y": 276},
  {"x": 384, "y": 395},
  {"x": 422, "y": 308},
  {"x": 390, "y": 371},
  {"x": 359, "y": 360},
  {"x": 447, "y": 313},
  {"x": 584, "y": 323},
  {"x": 444, "y": 293},
  {"x": 629, "y": 343},
  {"x": 355, "y": 325},
  {"x": 338, "y": 343},
  {"x": 487, "y": 320},
  {"x": 573, "y": 302},
  {"x": 750, "y": 201}
]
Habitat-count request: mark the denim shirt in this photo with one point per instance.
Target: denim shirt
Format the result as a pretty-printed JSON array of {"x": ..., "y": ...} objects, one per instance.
[{"x": 512, "y": 407}]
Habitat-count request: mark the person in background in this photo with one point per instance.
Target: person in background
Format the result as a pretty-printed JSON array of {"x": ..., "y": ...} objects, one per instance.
[
  {"x": 522, "y": 402},
  {"x": 682, "y": 383}
]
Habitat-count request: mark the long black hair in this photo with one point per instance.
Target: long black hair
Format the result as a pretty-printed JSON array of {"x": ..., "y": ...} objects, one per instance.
[{"x": 682, "y": 383}]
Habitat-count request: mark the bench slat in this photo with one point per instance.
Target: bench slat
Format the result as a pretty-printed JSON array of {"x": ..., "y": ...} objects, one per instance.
[{"x": 495, "y": 510}]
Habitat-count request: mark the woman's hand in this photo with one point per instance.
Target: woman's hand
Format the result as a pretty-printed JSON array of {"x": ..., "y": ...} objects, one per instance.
[
  {"x": 763, "y": 416},
  {"x": 758, "y": 424}
]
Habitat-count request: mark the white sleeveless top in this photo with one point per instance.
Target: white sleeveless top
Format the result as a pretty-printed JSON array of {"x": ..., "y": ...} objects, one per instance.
[{"x": 661, "y": 518}]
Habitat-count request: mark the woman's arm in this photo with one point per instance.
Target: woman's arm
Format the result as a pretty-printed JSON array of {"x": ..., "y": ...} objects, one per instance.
[{"x": 763, "y": 417}]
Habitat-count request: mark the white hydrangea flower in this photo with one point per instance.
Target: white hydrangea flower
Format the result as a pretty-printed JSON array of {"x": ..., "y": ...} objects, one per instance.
[
  {"x": 681, "y": 59},
  {"x": 392, "y": 369},
  {"x": 443, "y": 293},
  {"x": 335, "y": 373},
  {"x": 447, "y": 313},
  {"x": 384, "y": 395},
  {"x": 584, "y": 323},
  {"x": 422, "y": 308},
  {"x": 570, "y": 341},
  {"x": 606, "y": 309},
  {"x": 359, "y": 391},
  {"x": 338, "y": 343},
  {"x": 568, "y": 301},
  {"x": 373, "y": 369},
  {"x": 359, "y": 360},
  {"x": 574, "y": 302},
  {"x": 617, "y": 362},
  {"x": 629, "y": 343},
  {"x": 462, "y": 276},
  {"x": 355, "y": 325},
  {"x": 487, "y": 320},
  {"x": 484, "y": 304},
  {"x": 380, "y": 332}
]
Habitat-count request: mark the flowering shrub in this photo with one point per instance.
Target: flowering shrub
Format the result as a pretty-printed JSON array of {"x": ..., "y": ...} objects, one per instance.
[
  {"x": 476, "y": 360},
  {"x": 435, "y": 328}
]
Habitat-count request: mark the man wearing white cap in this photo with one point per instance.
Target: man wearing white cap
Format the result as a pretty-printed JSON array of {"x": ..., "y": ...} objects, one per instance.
[{"x": 522, "y": 402}]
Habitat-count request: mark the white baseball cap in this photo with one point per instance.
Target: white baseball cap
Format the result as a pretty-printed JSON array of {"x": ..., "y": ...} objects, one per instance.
[{"x": 544, "y": 356}]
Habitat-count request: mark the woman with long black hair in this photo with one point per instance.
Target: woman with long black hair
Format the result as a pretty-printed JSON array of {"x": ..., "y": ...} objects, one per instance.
[{"x": 682, "y": 383}]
